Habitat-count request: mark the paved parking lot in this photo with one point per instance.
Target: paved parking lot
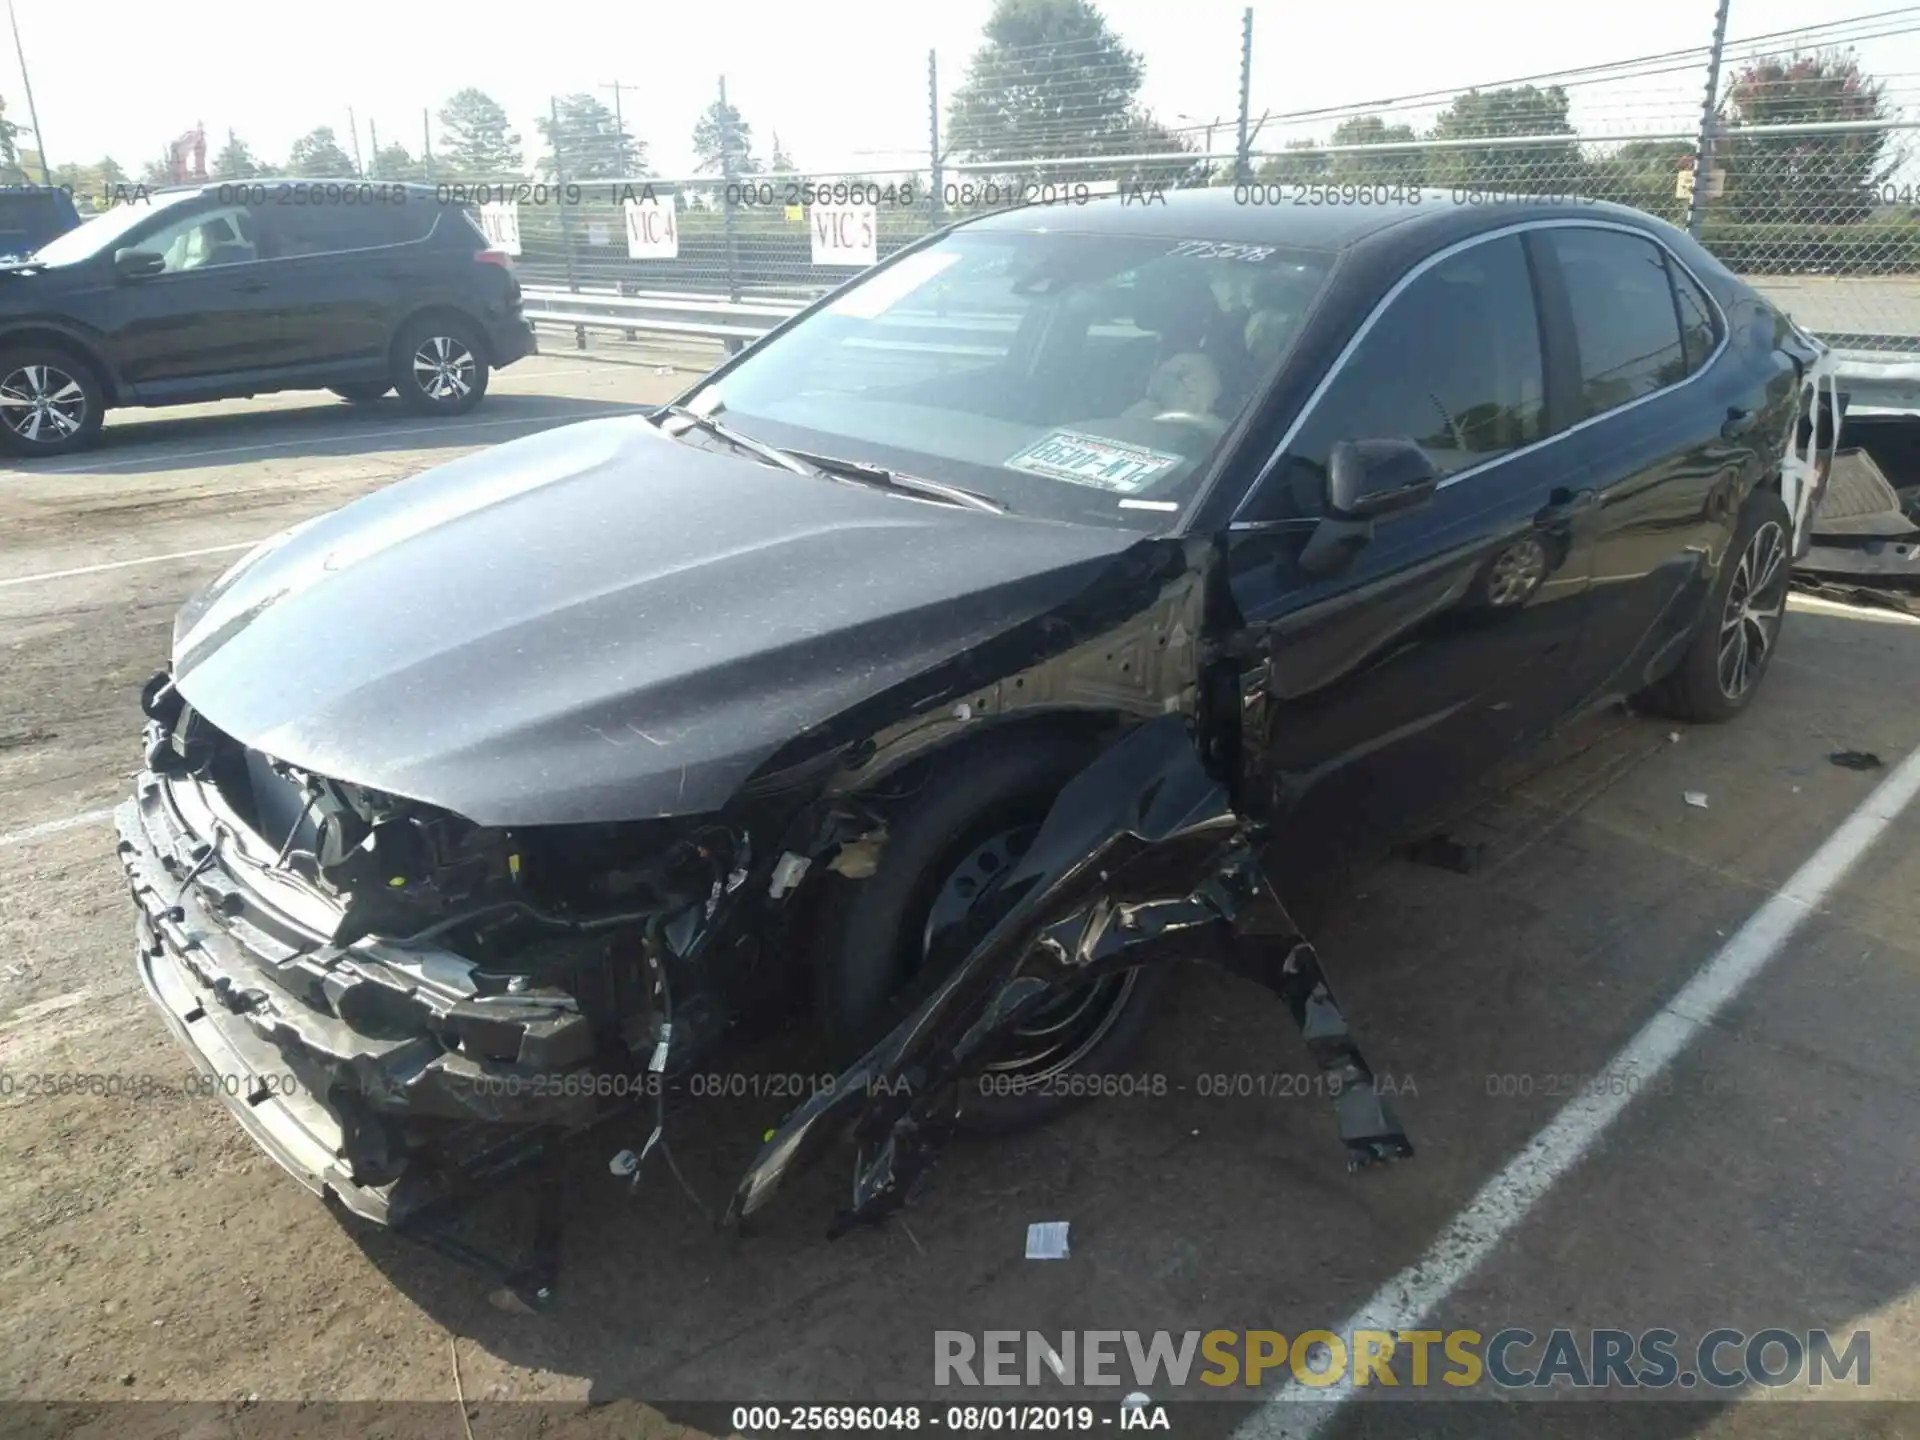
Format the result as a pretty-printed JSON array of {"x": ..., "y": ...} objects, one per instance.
[{"x": 150, "y": 1251}]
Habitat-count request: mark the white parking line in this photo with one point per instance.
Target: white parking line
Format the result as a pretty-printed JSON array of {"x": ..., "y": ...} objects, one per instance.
[
  {"x": 123, "y": 564},
  {"x": 1505, "y": 1200},
  {"x": 54, "y": 827},
  {"x": 324, "y": 438}
]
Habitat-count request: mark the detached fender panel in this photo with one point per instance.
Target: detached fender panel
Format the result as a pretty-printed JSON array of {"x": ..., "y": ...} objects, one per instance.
[{"x": 1142, "y": 860}]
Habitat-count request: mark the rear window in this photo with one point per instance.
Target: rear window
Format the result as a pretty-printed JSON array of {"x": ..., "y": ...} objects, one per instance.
[{"x": 31, "y": 216}]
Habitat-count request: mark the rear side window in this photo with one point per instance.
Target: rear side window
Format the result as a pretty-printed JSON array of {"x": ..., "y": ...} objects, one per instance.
[
  {"x": 1699, "y": 332},
  {"x": 328, "y": 228},
  {"x": 1452, "y": 364},
  {"x": 1624, "y": 318}
]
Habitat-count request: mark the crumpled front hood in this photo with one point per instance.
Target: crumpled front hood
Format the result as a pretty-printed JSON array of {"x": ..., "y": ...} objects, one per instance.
[{"x": 600, "y": 623}]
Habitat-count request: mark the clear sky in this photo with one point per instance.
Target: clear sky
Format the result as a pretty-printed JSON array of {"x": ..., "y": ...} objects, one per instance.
[{"x": 843, "y": 82}]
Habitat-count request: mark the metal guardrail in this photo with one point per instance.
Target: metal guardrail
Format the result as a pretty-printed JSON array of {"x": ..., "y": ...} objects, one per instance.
[{"x": 734, "y": 323}]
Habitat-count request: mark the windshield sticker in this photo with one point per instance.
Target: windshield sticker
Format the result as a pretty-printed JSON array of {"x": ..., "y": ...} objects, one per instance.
[
  {"x": 872, "y": 299},
  {"x": 1093, "y": 460},
  {"x": 1219, "y": 250}
]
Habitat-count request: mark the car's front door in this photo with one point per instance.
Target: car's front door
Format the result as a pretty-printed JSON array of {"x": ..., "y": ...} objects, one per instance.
[
  {"x": 1372, "y": 693},
  {"x": 207, "y": 317}
]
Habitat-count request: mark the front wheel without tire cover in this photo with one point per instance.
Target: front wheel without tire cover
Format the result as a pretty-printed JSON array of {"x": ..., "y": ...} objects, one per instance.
[
  {"x": 974, "y": 817},
  {"x": 439, "y": 367},
  {"x": 50, "y": 403},
  {"x": 1730, "y": 652}
]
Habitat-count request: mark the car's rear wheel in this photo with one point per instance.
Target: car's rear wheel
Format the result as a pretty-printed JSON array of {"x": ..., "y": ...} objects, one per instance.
[
  {"x": 972, "y": 820},
  {"x": 1731, "y": 651},
  {"x": 363, "y": 393},
  {"x": 439, "y": 366},
  {"x": 50, "y": 402}
]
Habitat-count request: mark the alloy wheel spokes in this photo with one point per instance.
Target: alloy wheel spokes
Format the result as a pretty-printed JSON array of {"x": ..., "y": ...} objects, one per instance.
[
  {"x": 42, "y": 402},
  {"x": 444, "y": 368}
]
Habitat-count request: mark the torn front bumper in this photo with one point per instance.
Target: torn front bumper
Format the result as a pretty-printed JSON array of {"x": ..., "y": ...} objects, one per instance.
[{"x": 374, "y": 1073}]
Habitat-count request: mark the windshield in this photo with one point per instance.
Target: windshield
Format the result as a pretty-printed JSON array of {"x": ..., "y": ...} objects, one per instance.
[
  {"x": 1076, "y": 377},
  {"x": 105, "y": 230}
]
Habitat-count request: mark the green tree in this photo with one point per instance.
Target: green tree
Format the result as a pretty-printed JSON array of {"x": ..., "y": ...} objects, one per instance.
[
  {"x": 156, "y": 172},
  {"x": 780, "y": 163},
  {"x": 1301, "y": 162},
  {"x": 92, "y": 185},
  {"x": 1052, "y": 80},
  {"x": 10, "y": 171},
  {"x": 395, "y": 162},
  {"x": 318, "y": 156},
  {"x": 720, "y": 130},
  {"x": 1553, "y": 167},
  {"x": 592, "y": 144},
  {"x": 1821, "y": 179},
  {"x": 1148, "y": 136},
  {"x": 1385, "y": 167},
  {"x": 477, "y": 141},
  {"x": 235, "y": 161},
  {"x": 1641, "y": 173}
]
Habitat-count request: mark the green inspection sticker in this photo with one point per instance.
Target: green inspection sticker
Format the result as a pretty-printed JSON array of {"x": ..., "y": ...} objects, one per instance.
[{"x": 1093, "y": 460}]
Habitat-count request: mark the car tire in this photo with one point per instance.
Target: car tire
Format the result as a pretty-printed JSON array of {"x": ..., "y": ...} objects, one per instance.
[
  {"x": 974, "y": 814},
  {"x": 50, "y": 401},
  {"x": 439, "y": 366},
  {"x": 1731, "y": 651},
  {"x": 364, "y": 392}
]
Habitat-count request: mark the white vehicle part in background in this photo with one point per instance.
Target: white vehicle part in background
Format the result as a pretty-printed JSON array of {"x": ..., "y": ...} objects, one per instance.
[{"x": 1804, "y": 467}]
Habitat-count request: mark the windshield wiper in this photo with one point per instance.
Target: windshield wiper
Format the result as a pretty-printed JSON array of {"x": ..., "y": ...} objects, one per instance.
[
  {"x": 912, "y": 484},
  {"x": 734, "y": 438}
]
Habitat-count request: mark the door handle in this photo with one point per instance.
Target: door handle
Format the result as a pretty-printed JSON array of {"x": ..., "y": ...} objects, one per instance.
[
  {"x": 1738, "y": 423},
  {"x": 251, "y": 287},
  {"x": 1564, "y": 505}
]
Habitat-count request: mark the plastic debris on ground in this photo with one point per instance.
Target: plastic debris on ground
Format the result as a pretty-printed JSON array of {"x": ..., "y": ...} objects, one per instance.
[
  {"x": 1856, "y": 760},
  {"x": 1047, "y": 1240},
  {"x": 1696, "y": 798}
]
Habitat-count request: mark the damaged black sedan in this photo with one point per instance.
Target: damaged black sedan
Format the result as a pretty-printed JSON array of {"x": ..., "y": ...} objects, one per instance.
[{"x": 953, "y": 660}]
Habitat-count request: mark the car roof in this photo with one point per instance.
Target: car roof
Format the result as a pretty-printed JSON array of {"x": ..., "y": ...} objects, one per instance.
[
  {"x": 1269, "y": 213},
  {"x": 207, "y": 187}
]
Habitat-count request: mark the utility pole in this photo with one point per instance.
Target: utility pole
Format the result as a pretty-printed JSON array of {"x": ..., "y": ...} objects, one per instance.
[
  {"x": 935, "y": 199},
  {"x": 1703, "y": 152},
  {"x": 619, "y": 120},
  {"x": 373, "y": 146},
  {"x": 33, "y": 115},
  {"x": 353, "y": 129},
  {"x": 1242, "y": 161},
  {"x": 426, "y": 141}
]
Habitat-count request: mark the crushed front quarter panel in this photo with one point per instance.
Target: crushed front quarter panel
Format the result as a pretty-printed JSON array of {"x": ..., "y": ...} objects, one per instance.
[{"x": 1142, "y": 860}]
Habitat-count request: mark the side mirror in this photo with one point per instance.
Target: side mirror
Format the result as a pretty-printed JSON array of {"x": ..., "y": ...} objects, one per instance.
[
  {"x": 1366, "y": 479},
  {"x": 137, "y": 264},
  {"x": 1370, "y": 478}
]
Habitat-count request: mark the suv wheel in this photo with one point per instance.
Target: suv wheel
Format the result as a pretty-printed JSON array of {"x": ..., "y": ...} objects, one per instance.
[
  {"x": 49, "y": 401},
  {"x": 439, "y": 367}
]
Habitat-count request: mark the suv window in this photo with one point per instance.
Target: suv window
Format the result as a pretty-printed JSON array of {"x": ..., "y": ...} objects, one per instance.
[
  {"x": 326, "y": 228},
  {"x": 1624, "y": 318},
  {"x": 1453, "y": 364},
  {"x": 205, "y": 239},
  {"x": 1699, "y": 331}
]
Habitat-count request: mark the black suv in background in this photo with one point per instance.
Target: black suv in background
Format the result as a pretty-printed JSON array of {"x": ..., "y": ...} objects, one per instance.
[
  {"x": 214, "y": 291},
  {"x": 30, "y": 216}
]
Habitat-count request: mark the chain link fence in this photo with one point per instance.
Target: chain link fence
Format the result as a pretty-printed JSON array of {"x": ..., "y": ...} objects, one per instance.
[{"x": 1788, "y": 155}]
